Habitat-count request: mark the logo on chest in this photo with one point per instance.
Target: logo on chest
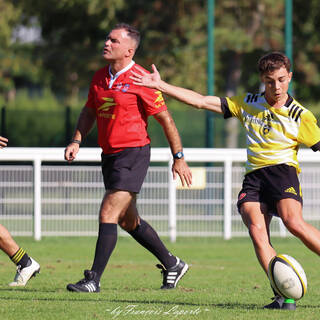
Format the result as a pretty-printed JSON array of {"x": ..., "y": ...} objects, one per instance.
[
  {"x": 105, "y": 107},
  {"x": 122, "y": 87}
]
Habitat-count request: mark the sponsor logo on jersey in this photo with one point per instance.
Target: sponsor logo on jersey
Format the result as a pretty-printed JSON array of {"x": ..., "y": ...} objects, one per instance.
[
  {"x": 106, "y": 107},
  {"x": 291, "y": 190},
  {"x": 159, "y": 102},
  {"x": 122, "y": 87},
  {"x": 125, "y": 87},
  {"x": 242, "y": 195}
]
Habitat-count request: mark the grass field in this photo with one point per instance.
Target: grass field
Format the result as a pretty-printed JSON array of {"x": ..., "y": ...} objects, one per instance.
[{"x": 224, "y": 282}]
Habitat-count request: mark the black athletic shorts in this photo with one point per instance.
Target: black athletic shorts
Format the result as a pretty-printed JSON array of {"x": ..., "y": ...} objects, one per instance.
[
  {"x": 269, "y": 185},
  {"x": 126, "y": 170}
]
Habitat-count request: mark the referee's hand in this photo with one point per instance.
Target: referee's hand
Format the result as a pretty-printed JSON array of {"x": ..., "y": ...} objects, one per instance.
[
  {"x": 181, "y": 168},
  {"x": 71, "y": 151}
]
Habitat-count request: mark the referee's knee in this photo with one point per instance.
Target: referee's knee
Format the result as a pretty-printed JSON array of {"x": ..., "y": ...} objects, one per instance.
[{"x": 128, "y": 224}]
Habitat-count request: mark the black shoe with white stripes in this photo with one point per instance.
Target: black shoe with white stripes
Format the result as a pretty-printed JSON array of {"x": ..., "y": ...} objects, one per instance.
[
  {"x": 88, "y": 284},
  {"x": 171, "y": 276}
]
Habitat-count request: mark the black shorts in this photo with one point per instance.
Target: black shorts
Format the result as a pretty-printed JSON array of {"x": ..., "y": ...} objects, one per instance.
[
  {"x": 126, "y": 170},
  {"x": 269, "y": 185}
]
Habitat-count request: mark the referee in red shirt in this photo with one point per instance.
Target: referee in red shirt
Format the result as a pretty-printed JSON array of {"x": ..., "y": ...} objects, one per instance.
[{"x": 121, "y": 110}]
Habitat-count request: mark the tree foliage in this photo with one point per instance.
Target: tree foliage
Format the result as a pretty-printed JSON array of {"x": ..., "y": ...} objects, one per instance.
[{"x": 174, "y": 37}]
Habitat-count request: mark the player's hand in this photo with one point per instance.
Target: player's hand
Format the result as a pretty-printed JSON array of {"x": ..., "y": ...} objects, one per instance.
[
  {"x": 181, "y": 168},
  {"x": 3, "y": 142},
  {"x": 142, "y": 78},
  {"x": 71, "y": 151}
]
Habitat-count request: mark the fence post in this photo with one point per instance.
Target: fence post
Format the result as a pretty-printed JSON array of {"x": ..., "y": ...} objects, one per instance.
[
  {"x": 282, "y": 229},
  {"x": 37, "y": 198},
  {"x": 3, "y": 122},
  {"x": 227, "y": 228},
  {"x": 172, "y": 204}
]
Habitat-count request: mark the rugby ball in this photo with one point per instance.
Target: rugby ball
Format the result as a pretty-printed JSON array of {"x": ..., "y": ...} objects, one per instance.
[{"x": 287, "y": 277}]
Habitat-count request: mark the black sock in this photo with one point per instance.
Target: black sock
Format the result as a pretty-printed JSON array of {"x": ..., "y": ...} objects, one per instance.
[
  {"x": 275, "y": 292},
  {"x": 106, "y": 242},
  {"x": 149, "y": 239},
  {"x": 21, "y": 258}
]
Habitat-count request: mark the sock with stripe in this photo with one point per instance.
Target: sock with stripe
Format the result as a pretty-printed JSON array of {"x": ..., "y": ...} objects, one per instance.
[
  {"x": 21, "y": 258},
  {"x": 107, "y": 239},
  {"x": 148, "y": 238}
]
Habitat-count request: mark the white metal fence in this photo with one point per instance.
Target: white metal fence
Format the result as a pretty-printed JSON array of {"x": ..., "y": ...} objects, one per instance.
[{"x": 41, "y": 195}]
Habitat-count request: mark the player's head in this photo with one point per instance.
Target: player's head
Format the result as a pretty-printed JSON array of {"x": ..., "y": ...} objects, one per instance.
[
  {"x": 275, "y": 74},
  {"x": 132, "y": 32},
  {"x": 121, "y": 43},
  {"x": 273, "y": 61}
]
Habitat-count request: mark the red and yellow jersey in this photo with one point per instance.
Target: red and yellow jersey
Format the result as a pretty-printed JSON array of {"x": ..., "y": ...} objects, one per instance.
[
  {"x": 122, "y": 109},
  {"x": 273, "y": 135}
]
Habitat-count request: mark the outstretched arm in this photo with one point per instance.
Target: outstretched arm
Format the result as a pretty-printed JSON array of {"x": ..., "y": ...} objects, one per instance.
[{"x": 196, "y": 100}]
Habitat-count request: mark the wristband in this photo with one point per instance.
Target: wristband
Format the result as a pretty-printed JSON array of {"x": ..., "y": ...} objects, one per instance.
[{"x": 76, "y": 141}]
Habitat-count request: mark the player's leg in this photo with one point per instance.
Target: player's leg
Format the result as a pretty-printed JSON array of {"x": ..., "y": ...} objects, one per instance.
[
  {"x": 290, "y": 211},
  {"x": 143, "y": 233},
  {"x": 26, "y": 266},
  {"x": 254, "y": 215},
  {"x": 114, "y": 205},
  {"x": 7, "y": 244},
  {"x": 172, "y": 267}
]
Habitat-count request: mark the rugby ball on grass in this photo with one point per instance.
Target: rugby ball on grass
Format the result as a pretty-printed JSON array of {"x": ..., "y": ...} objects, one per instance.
[{"x": 287, "y": 277}]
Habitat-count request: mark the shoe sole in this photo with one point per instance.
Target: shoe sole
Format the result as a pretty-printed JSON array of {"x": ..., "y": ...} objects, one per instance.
[{"x": 72, "y": 288}]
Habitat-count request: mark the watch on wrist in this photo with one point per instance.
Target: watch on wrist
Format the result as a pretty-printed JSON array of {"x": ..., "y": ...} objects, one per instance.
[{"x": 178, "y": 155}]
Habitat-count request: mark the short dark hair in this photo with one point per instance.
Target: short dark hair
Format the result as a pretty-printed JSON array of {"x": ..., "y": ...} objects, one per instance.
[
  {"x": 273, "y": 61},
  {"x": 132, "y": 32}
]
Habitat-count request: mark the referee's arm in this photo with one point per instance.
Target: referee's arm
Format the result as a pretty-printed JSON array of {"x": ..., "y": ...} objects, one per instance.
[{"x": 179, "y": 167}]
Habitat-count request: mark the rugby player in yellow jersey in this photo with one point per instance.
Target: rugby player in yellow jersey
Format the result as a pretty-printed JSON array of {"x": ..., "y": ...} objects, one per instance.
[
  {"x": 276, "y": 124},
  {"x": 26, "y": 266}
]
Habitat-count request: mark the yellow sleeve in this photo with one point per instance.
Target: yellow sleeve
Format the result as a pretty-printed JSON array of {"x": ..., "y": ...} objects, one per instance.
[
  {"x": 309, "y": 132},
  {"x": 235, "y": 105}
]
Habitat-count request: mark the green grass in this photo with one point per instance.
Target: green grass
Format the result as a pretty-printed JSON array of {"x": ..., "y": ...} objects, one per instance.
[{"x": 224, "y": 282}]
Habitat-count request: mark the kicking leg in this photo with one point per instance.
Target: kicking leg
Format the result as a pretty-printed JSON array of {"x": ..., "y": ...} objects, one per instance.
[{"x": 257, "y": 221}]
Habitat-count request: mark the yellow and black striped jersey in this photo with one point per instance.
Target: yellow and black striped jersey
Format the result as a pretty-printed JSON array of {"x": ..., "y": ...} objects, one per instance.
[{"x": 273, "y": 134}]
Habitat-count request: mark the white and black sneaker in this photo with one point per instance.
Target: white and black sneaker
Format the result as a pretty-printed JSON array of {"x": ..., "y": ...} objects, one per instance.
[
  {"x": 171, "y": 276},
  {"x": 23, "y": 275},
  {"x": 88, "y": 284}
]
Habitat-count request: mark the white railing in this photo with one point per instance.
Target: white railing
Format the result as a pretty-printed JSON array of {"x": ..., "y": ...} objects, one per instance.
[{"x": 196, "y": 207}]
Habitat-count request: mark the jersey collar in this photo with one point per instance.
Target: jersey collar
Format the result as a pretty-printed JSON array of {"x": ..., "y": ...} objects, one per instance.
[{"x": 113, "y": 78}]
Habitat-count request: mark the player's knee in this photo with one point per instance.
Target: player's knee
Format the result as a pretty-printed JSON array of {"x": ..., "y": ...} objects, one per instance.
[
  {"x": 296, "y": 227},
  {"x": 128, "y": 224}
]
